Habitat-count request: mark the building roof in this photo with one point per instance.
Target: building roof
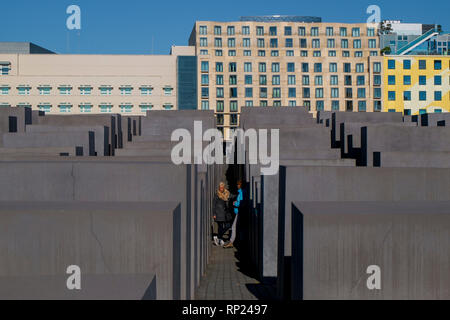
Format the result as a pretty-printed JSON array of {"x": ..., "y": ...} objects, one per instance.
[{"x": 22, "y": 48}]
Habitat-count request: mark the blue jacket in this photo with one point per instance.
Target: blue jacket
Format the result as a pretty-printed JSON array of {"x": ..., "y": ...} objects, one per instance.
[{"x": 239, "y": 198}]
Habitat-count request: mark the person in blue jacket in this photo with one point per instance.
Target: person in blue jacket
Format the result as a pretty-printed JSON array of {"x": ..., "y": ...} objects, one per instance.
[{"x": 236, "y": 205}]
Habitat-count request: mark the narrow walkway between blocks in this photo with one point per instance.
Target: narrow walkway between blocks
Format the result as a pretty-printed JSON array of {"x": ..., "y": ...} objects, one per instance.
[{"x": 227, "y": 279}]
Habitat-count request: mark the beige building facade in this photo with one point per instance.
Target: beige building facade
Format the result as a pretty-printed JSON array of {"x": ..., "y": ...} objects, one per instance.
[
  {"x": 323, "y": 66},
  {"x": 59, "y": 84}
]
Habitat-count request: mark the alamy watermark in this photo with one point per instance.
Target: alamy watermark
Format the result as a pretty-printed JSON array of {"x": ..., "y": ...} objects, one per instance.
[
  {"x": 73, "y": 22},
  {"x": 244, "y": 146}
]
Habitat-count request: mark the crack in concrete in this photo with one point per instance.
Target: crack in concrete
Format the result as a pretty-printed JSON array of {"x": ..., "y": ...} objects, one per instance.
[
  {"x": 379, "y": 254},
  {"x": 99, "y": 243}
]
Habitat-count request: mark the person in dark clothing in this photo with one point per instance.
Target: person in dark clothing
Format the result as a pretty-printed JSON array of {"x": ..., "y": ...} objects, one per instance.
[{"x": 221, "y": 212}]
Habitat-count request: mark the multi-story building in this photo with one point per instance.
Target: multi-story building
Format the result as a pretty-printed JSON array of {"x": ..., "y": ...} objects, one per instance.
[
  {"x": 286, "y": 61},
  {"x": 416, "y": 84},
  {"x": 97, "y": 83}
]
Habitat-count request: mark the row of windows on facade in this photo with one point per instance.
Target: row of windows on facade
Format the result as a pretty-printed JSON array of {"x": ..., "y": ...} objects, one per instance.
[
  {"x": 67, "y": 90},
  {"x": 290, "y": 67},
  {"x": 292, "y": 93},
  {"x": 422, "y": 80},
  {"x": 88, "y": 108},
  {"x": 289, "y": 43},
  {"x": 416, "y": 95},
  {"x": 291, "y": 80},
  {"x": 290, "y": 53},
  {"x": 289, "y": 31},
  {"x": 406, "y": 64}
]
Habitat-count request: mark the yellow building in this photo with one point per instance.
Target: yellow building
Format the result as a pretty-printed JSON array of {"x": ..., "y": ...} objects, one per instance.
[{"x": 416, "y": 84}]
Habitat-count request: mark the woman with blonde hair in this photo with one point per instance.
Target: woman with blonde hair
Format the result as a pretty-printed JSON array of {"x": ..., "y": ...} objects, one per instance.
[{"x": 221, "y": 212}]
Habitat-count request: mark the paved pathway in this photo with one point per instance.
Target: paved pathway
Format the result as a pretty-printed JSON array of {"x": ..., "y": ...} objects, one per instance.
[{"x": 224, "y": 279}]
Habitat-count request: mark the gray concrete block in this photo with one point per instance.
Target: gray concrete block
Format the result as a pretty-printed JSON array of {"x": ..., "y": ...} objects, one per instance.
[
  {"x": 414, "y": 159},
  {"x": 108, "y": 120},
  {"x": 335, "y": 242},
  {"x": 124, "y": 250},
  {"x": 36, "y": 152},
  {"x": 368, "y": 117},
  {"x": 85, "y": 140},
  {"x": 299, "y": 184},
  {"x": 389, "y": 138},
  {"x": 101, "y": 134}
]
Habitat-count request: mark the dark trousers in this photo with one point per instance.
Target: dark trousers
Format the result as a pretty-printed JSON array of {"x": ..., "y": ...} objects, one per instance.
[{"x": 222, "y": 228}]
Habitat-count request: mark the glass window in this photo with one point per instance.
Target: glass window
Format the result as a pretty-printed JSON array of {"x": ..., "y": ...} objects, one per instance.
[
  {"x": 391, "y": 64},
  {"x": 290, "y": 67},
  {"x": 334, "y": 92},
  {"x": 319, "y": 92},
  {"x": 407, "y": 80},
  {"x": 422, "y": 64},
  {"x": 343, "y": 32},
  {"x": 377, "y": 67},
  {"x": 437, "y": 96},
  {"x": 217, "y": 30},
  {"x": 437, "y": 64},
  {"x": 276, "y": 92},
  {"x": 406, "y": 95},
  {"x": 314, "y": 31},
  {"x": 334, "y": 80},
  {"x": 273, "y": 31},
  {"x": 317, "y": 67},
  {"x": 287, "y": 31},
  {"x": 319, "y": 105},
  {"x": 391, "y": 95},
  {"x": 301, "y": 31},
  {"x": 68, "y": 90},
  {"x": 329, "y": 31},
  {"x": 361, "y": 106},
  {"x": 356, "y": 32},
  {"x": 360, "y": 67},
  {"x": 245, "y": 30},
  {"x": 260, "y": 31},
  {"x": 262, "y": 67},
  {"x": 422, "y": 95},
  {"x": 361, "y": 92},
  {"x": 406, "y": 64},
  {"x": 344, "y": 43},
  {"x": 230, "y": 30},
  {"x": 422, "y": 80},
  {"x": 248, "y": 92},
  {"x": 203, "y": 30},
  {"x": 274, "y": 43},
  {"x": 318, "y": 80},
  {"x": 437, "y": 80},
  {"x": 391, "y": 80},
  {"x": 377, "y": 93},
  {"x": 305, "y": 80},
  {"x": 291, "y": 80},
  {"x": 220, "y": 106},
  {"x": 275, "y": 80},
  {"x": 347, "y": 67},
  {"x": 306, "y": 93},
  {"x": 219, "y": 79},
  {"x": 335, "y": 105},
  {"x": 205, "y": 66},
  {"x": 333, "y": 67},
  {"x": 247, "y": 67},
  {"x": 330, "y": 43},
  {"x": 357, "y": 44},
  {"x": 248, "y": 79}
]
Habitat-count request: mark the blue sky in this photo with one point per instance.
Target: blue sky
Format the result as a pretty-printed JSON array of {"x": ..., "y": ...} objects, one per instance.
[{"x": 146, "y": 26}]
